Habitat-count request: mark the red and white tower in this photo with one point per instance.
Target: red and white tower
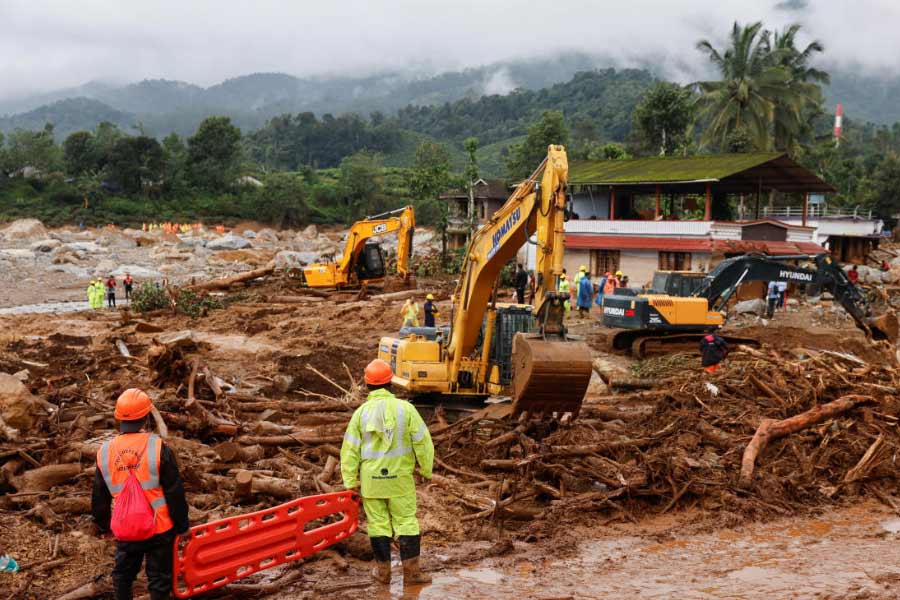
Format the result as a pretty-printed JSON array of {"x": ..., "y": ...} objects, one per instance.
[{"x": 838, "y": 124}]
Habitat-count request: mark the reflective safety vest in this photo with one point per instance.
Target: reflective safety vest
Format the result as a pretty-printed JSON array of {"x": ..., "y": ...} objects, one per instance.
[
  {"x": 385, "y": 438},
  {"x": 564, "y": 286},
  {"x": 410, "y": 313},
  {"x": 140, "y": 452}
]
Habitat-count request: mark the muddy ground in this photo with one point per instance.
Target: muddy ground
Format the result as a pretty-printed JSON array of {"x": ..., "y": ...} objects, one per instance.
[{"x": 660, "y": 518}]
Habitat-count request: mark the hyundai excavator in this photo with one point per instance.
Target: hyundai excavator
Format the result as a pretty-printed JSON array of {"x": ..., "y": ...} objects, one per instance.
[
  {"x": 363, "y": 259},
  {"x": 495, "y": 349},
  {"x": 654, "y": 321}
]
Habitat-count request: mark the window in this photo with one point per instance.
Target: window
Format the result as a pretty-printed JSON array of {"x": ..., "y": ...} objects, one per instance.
[
  {"x": 603, "y": 261},
  {"x": 674, "y": 261}
]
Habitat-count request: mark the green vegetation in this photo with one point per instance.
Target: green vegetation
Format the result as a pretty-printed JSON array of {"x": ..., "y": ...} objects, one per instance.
[
  {"x": 147, "y": 296},
  {"x": 296, "y": 164}
]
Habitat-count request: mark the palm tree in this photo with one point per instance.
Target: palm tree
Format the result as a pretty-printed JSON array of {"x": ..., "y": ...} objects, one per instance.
[
  {"x": 752, "y": 85},
  {"x": 791, "y": 123}
]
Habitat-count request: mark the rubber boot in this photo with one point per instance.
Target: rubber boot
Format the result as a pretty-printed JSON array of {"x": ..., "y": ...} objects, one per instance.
[
  {"x": 381, "y": 549},
  {"x": 409, "y": 554}
]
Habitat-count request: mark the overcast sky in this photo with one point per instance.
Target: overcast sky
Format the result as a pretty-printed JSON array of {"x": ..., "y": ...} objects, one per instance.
[{"x": 46, "y": 45}]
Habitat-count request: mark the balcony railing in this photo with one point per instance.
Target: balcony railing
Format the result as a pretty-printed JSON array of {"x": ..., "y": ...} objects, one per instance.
[
  {"x": 640, "y": 228},
  {"x": 815, "y": 210}
]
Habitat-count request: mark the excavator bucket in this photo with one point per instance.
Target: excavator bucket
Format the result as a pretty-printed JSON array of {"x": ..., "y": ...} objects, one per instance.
[
  {"x": 549, "y": 376},
  {"x": 885, "y": 327}
]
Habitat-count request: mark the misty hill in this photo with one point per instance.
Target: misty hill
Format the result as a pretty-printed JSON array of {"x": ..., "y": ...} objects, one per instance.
[
  {"x": 71, "y": 114},
  {"x": 865, "y": 97}
]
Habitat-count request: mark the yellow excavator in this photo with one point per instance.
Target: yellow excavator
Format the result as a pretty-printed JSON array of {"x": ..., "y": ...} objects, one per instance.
[
  {"x": 499, "y": 349},
  {"x": 363, "y": 259}
]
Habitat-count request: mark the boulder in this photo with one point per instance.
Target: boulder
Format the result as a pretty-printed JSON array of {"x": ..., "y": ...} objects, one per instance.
[
  {"x": 288, "y": 259},
  {"x": 18, "y": 407},
  {"x": 23, "y": 229},
  {"x": 249, "y": 234},
  {"x": 756, "y": 306},
  {"x": 269, "y": 235},
  {"x": 18, "y": 253},
  {"x": 45, "y": 245},
  {"x": 229, "y": 242},
  {"x": 136, "y": 272},
  {"x": 104, "y": 267},
  {"x": 71, "y": 270},
  {"x": 312, "y": 232}
]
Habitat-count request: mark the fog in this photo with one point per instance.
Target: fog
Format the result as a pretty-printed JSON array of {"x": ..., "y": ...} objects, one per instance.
[{"x": 47, "y": 45}]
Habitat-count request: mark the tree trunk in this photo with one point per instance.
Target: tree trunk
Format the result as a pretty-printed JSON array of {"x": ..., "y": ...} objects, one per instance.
[
  {"x": 44, "y": 478},
  {"x": 770, "y": 430}
]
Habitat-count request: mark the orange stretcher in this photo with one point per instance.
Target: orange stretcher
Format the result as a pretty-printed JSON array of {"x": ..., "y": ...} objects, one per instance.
[{"x": 218, "y": 553}]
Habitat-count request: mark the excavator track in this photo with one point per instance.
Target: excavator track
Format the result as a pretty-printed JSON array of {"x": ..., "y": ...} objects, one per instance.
[
  {"x": 549, "y": 376},
  {"x": 641, "y": 344}
]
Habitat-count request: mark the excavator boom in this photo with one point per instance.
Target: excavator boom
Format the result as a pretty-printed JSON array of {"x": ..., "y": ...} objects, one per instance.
[
  {"x": 467, "y": 362},
  {"x": 362, "y": 264}
]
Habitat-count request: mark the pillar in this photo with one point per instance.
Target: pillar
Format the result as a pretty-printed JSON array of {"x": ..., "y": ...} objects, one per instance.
[
  {"x": 707, "y": 210},
  {"x": 805, "y": 207},
  {"x": 612, "y": 203},
  {"x": 656, "y": 212}
]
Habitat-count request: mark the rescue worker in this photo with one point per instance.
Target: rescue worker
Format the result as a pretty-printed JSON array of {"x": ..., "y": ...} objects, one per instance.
[
  {"x": 585, "y": 293},
  {"x": 611, "y": 284},
  {"x": 98, "y": 294},
  {"x": 853, "y": 275},
  {"x": 90, "y": 293},
  {"x": 713, "y": 350},
  {"x": 564, "y": 289},
  {"x": 410, "y": 313},
  {"x": 111, "y": 292},
  {"x": 154, "y": 465},
  {"x": 384, "y": 440},
  {"x": 581, "y": 272},
  {"x": 129, "y": 286},
  {"x": 521, "y": 284},
  {"x": 771, "y": 298},
  {"x": 430, "y": 310}
]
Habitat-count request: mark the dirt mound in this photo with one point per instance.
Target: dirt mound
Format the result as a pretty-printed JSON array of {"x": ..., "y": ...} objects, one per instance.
[{"x": 23, "y": 229}]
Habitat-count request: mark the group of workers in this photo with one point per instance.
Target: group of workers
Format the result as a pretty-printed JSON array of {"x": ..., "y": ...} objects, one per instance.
[
  {"x": 410, "y": 312},
  {"x": 98, "y": 290},
  {"x": 585, "y": 289},
  {"x": 776, "y": 293},
  {"x": 384, "y": 440}
]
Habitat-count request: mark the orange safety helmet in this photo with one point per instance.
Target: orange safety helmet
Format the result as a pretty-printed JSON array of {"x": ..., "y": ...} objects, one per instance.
[
  {"x": 378, "y": 372},
  {"x": 132, "y": 405}
]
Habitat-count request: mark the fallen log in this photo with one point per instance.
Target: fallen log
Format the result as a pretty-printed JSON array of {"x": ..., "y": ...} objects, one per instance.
[
  {"x": 233, "y": 452},
  {"x": 293, "y": 439},
  {"x": 295, "y": 299},
  {"x": 243, "y": 485},
  {"x": 92, "y": 589},
  {"x": 227, "y": 282},
  {"x": 44, "y": 478},
  {"x": 771, "y": 429}
]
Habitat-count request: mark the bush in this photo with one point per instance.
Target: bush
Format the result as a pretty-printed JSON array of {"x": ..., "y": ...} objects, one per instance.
[
  {"x": 193, "y": 305},
  {"x": 148, "y": 297}
]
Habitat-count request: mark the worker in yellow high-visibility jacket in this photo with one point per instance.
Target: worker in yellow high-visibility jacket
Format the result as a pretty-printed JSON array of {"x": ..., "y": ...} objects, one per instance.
[{"x": 384, "y": 440}]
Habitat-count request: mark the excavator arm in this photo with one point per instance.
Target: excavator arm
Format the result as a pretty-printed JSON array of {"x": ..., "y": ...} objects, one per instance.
[
  {"x": 402, "y": 221},
  {"x": 723, "y": 281},
  {"x": 537, "y": 206}
]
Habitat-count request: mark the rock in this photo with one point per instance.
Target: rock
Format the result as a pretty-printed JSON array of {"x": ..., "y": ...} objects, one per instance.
[
  {"x": 104, "y": 267},
  {"x": 755, "y": 306},
  {"x": 827, "y": 296},
  {"x": 229, "y": 242},
  {"x": 136, "y": 272},
  {"x": 18, "y": 407},
  {"x": 268, "y": 235},
  {"x": 814, "y": 300},
  {"x": 249, "y": 234},
  {"x": 312, "y": 232},
  {"x": 45, "y": 245},
  {"x": 85, "y": 247},
  {"x": 793, "y": 302},
  {"x": 18, "y": 253},
  {"x": 282, "y": 383},
  {"x": 192, "y": 242},
  {"x": 71, "y": 270},
  {"x": 23, "y": 229},
  {"x": 888, "y": 277},
  {"x": 288, "y": 259}
]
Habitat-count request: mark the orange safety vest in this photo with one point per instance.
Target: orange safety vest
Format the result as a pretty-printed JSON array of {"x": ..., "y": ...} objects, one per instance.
[
  {"x": 610, "y": 286},
  {"x": 141, "y": 452}
]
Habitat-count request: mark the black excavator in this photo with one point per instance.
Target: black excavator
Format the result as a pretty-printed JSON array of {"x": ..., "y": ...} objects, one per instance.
[{"x": 654, "y": 322}]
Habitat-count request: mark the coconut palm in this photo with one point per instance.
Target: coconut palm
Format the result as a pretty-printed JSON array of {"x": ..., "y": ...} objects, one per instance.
[
  {"x": 791, "y": 124},
  {"x": 752, "y": 85}
]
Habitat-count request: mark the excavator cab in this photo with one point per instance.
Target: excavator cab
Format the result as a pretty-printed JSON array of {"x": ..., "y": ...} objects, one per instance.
[{"x": 370, "y": 263}]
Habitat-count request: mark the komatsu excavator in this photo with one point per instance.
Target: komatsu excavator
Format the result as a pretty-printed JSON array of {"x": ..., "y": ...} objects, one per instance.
[
  {"x": 495, "y": 349},
  {"x": 363, "y": 259},
  {"x": 654, "y": 321}
]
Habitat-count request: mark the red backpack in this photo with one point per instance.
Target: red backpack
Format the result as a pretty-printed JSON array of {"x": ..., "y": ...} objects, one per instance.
[{"x": 132, "y": 516}]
